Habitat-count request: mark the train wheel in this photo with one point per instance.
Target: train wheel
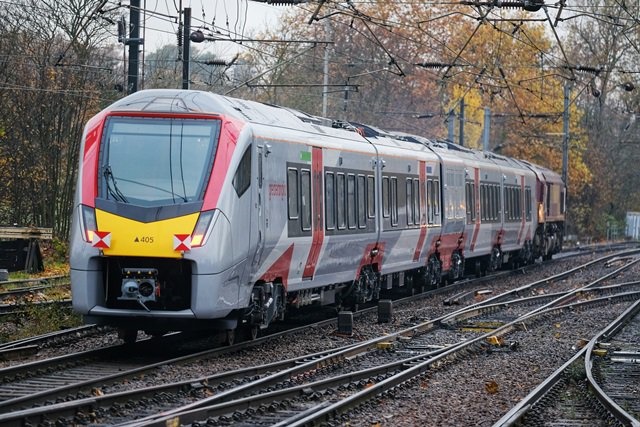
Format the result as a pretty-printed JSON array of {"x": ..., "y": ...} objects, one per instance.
[
  {"x": 252, "y": 332},
  {"x": 457, "y": 267},
  {"x": 129, "y": 336},
  {"x": 248, "y": 332},
  {"x": 229, "y": 337},
  {"x": 434, "y": 273},
  {"x": 478, "y": 269},
  {"x": 496, "y": 259}
]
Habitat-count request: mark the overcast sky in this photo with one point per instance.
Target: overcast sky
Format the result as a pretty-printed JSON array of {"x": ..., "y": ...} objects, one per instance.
[{"x": 236, "y": 18}]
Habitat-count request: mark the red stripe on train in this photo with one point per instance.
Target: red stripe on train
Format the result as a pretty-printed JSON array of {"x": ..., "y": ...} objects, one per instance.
[
  {"x": 280, "y": 268},
  {"x": 476, "y": 207},
  {"x": 423, "y": 211},
  {"x": 226, "y": 145},
  {"x": 317, "y": 213}
]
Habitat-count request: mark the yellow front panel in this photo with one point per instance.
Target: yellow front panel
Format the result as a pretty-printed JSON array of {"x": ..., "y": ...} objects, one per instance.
[{"x": 153, "y": 239}]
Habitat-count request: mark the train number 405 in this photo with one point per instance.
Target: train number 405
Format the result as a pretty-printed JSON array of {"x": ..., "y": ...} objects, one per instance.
[{"x": 143, "y": 239}]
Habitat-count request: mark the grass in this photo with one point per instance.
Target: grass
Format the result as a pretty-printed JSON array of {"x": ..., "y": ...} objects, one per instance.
[{"x": 38, "y": 319}]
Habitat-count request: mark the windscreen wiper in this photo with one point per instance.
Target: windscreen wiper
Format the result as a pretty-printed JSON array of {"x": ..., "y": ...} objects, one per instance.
[
  {"x": 155, "y": 187},
  {"x": 112, "y": 186}
]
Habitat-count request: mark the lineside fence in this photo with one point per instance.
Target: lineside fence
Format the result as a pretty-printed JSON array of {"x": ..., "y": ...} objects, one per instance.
[{"x": 20, "y": 248}]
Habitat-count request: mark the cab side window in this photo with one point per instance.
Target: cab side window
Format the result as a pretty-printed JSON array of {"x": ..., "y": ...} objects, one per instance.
[{"x": 242, "y": 177}]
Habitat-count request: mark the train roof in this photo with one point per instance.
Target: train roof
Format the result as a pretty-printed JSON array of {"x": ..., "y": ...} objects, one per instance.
[{"x": 201, "y": 102}]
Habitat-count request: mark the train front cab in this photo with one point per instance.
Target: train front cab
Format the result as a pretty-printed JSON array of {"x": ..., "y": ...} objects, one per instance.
[
  {"x": 551, "y": 214},
  {"x": 139, "y": 253}
]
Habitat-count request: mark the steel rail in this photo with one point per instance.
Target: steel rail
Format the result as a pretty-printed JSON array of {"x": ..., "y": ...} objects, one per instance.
[
  {"x": 620, "y": 414},
  {"x": 496, "y": 299},
  {"x": 325, "y": 413},
  {"x": 406, "y": 332},
  {"x": 516, "y": 414}
]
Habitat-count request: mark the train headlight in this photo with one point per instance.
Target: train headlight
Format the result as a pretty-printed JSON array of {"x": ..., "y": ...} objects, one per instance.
[
  {"x": 200, "y": 232},
  {"x": 88, "y": 222}
]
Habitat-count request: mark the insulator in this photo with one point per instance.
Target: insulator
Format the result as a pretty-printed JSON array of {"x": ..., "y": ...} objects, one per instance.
[
  {"x": 197, "y": 36},
  {"x": 432, "y": 65},
  {"x": 628, "y": 86},
  {"x": 122, "y": 29},
  {"x": 285, "y": 2},
  {"x": 533, "y": 5},
  {"x": 591, "y": 70},
  {"x": 216, "y": 62},
  {"x": 179, "y": 34}
]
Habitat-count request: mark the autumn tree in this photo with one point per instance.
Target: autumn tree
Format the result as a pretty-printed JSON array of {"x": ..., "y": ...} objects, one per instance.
[
  {"x": 604, "y": 51},
  {"x": 54, "y": 80},
  {"x": 414, "y": 66}
]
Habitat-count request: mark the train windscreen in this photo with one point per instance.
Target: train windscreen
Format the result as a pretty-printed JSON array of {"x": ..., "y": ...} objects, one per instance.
[{"x": 157, "y": 161}]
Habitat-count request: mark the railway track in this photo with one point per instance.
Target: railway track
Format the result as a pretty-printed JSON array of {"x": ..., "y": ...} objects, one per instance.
[
  {"x": 323, "y": 391},
  {"x": 31, "y": 346},
  {"x": 410, "y": 348},
  {"x": 595, "y": 387},
  {"x": 17, "y": 295}
]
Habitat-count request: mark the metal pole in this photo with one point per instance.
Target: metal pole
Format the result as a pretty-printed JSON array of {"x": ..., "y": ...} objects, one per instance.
[
  {"x": 451, "y": 123},
  {"x": 185, "y": 48},
  {"x": 134, "y": 46},
  {"x": 461, "y": 136},
  {"x": 346, "y": 98},
  {"x": 325, "y": 82},
  {"x": 487, "y": 129},
  {"x": 565, "y": 135}
]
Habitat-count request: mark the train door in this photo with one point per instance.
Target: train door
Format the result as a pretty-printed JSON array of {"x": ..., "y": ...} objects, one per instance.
[{"x": 259, "y": 205}]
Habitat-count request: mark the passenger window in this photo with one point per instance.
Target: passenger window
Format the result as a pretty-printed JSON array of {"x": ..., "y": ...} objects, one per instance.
[
  {"x": 417, "y": 198},
  {"x": 436, "y": 198},
  {"x": 410, "y": 219},
  {"x": 362, "y": 202},
  {"x": 305, "y": 184},
  {"x": 292, "y": 192},
  {"x": 340, "y": 192},
  {"x": 394, "y": 201},
  {"x": 371, "y": 197},
  {"x": 432, "y": 200},
  {"x": 330, "y": 200},
  {"x": 351, "y": 201},
  {"x": 470, "y": 194},
  {"x": 385, "y": 197}
]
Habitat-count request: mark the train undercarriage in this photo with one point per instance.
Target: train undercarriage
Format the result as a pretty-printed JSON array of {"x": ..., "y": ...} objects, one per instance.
[{"x": 155, "y": 287}]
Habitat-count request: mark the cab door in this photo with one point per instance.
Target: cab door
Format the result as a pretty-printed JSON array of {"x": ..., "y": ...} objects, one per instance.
[{"x": 259, "y": 205}]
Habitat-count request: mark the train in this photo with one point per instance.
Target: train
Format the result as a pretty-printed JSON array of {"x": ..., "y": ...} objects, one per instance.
[{"x": 197, "y": 211}]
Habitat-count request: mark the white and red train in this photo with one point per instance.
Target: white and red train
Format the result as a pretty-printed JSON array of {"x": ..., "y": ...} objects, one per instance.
[{"x": 195, "y": 210}]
